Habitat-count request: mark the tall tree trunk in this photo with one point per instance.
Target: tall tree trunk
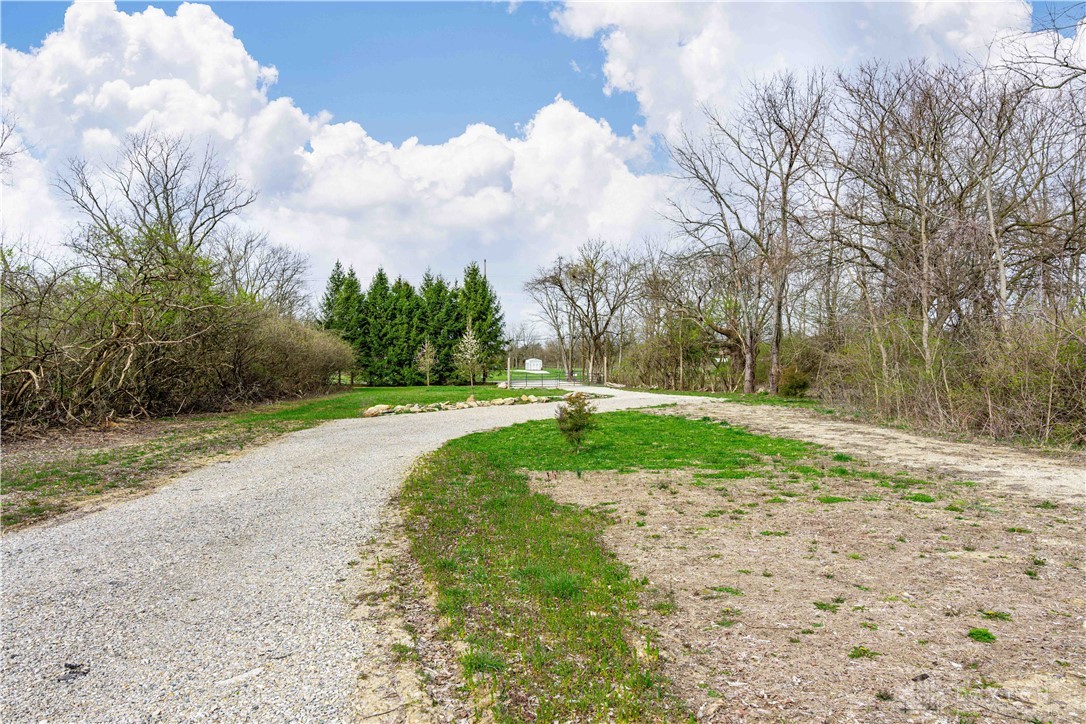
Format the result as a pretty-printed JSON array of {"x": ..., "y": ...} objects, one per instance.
[
  {"x": 775, "y": 342},
  {"x": 750, "y": 360}
]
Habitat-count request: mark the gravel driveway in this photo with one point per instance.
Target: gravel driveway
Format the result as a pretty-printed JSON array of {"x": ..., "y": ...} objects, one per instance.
[{"x": 223, "y": 594}]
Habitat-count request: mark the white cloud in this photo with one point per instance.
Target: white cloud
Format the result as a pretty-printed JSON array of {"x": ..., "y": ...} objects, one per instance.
[
  {"x": 328, "y": 188},
  {"x": 676, "y": 56}
]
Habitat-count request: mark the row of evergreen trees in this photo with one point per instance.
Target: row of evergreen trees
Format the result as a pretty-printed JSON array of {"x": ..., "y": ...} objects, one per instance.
[{"x": 387, "y": 325}]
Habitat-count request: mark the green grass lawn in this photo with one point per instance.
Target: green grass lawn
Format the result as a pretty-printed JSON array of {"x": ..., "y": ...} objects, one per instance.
[
  {"x": 630, "y": 441},
  {"x": 543, "y": 607},
  {"x": 38, "y": 486},
  {"x": 548, "y": 373}
]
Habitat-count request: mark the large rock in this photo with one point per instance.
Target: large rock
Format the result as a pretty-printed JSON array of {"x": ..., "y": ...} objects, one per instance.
[{"x": 376, "y": 410}]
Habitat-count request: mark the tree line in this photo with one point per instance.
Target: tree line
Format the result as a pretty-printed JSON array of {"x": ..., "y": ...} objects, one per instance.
[
  {"x": 403, "y": 336},
  {"x": 163, "y": 303},
  {"x": 909, "y": 239}
]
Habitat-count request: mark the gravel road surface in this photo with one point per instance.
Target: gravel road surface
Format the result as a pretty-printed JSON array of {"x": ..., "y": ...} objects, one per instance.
[{"x": 224, "y": 594}]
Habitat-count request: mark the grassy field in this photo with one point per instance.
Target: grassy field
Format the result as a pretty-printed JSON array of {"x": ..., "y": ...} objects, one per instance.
[
  {"x": 42, "y": 478},
  {"x": 543, "y": 607}
]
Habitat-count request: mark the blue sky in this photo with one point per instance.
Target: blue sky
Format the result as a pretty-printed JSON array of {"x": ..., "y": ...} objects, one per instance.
[{"x": 400, "y": 69}]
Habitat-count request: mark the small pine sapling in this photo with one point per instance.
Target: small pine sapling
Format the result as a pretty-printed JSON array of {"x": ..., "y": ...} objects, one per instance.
[{"x": 575, "y": 418}]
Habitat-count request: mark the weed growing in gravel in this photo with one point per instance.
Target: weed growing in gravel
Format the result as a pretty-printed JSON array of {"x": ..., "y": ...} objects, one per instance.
[
  {"x": 728, "y": 589},
  {"x": 862, "y": 652},
  {"x": 996, "y": 615},
  {"x": 981, "y": 635}
]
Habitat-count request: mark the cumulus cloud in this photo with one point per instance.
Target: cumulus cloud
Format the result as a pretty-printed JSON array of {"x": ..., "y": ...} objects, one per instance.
[
  {"x": 677, "y": 56},
  {"x": 326, "y": 187}
]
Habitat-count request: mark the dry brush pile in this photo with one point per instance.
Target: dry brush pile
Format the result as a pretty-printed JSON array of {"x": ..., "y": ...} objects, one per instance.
[{"x": 160, "y": 306}]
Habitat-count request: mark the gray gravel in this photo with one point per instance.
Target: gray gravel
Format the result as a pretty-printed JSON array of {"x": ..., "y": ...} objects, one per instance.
[{"x": 224, "y": 594}]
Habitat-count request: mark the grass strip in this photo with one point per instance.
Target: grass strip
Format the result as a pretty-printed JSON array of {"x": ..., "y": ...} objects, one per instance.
[{"x": 526, "y": 584}]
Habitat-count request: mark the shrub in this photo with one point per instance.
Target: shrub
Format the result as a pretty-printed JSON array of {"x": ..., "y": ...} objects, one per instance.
[
  {"x": 575, "y": 418},
  {"x": 794, "y": 382}
]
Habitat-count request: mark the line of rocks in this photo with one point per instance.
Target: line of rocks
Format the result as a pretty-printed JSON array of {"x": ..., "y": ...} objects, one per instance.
[{"x": 378, "y": 410}]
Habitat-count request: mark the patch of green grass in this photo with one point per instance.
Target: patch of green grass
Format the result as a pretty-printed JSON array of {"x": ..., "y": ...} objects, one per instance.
[
  {"x": 665, "y": 607},
  {"x": 728, "y": 589},
  {"x": 920, "y": 498},
  {"x": 476, "y": 662},
  {"x": 996, "y": 615},
  {"x": 823, "y": 606},
  {"x": 1023, "y": 531},
  {"x": 832, "y": 499},
  {"x": 774, "y": 533},
  {"x": 626, "y": 441},
  {"x": 981, "y": 635},
  {"x": 842, "y": 458},
  {"x": 544, "y": 606}
]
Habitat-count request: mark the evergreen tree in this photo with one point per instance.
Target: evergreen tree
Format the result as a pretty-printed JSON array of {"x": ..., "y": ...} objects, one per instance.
[
  {"x": 328, "y": 319},
  {"x": 347, "y": 314},
  {"x": 404, "y": 334},
  {"x": 378, "y": 333},
  {"x": 440, "y": 323},
  {"x": 480, "y": 306}
]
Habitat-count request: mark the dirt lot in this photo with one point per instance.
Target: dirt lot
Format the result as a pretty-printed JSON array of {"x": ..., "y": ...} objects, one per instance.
[
  {"x": 837, "y": 590},
  {"x": 1052, "y": 474}
]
